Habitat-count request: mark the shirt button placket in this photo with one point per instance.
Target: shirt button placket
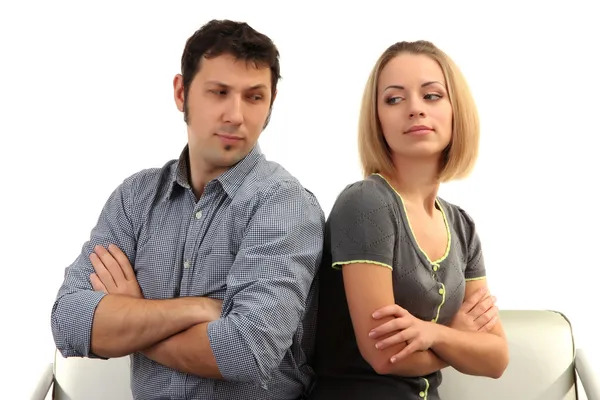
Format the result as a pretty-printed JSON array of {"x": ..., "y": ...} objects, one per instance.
[{"x": 188, "y": 263}]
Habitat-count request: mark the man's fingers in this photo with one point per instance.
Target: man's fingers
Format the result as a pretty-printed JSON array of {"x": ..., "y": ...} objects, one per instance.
[
  {"x": 111, "y": 264},
  {"x": 97, "y": 284},
  {"x": 101, "y": 272},
  {"x": 123, "y": 261}
]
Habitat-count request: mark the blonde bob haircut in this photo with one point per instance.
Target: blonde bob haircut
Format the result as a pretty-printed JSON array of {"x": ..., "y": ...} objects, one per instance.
[{"x": 461, "y": 154}]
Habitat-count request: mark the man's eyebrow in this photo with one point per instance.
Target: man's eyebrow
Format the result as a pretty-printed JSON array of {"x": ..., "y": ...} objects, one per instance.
[{"x": 226, "y": 86}]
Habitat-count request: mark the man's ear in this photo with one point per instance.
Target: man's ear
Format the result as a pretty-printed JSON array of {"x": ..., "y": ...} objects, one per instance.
[
  {"x": 268, "y": 117},
  {"x": 270, "y": 109},
  {"x": 178, "y": 92}
]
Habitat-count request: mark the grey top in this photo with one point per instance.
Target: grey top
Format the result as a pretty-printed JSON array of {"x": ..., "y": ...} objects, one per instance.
[
  {"x": 254, "y": 240},
  {"x": 369, "y": 224}
]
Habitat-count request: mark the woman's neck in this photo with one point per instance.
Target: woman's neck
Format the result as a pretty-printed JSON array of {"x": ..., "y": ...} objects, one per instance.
[{"x": 417, "y": 182}]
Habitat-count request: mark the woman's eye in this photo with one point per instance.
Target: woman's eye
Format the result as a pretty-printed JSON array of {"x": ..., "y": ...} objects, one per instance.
[
  {"x": 394, "y": 100},
  {"x": 432, "y": 96}
]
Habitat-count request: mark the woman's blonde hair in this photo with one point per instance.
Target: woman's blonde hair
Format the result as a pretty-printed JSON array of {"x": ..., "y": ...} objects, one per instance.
[{"x": 460, "y": 155}]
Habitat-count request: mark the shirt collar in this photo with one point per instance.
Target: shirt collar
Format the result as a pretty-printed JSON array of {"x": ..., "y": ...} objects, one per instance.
[{"x": 230, "y": 180}]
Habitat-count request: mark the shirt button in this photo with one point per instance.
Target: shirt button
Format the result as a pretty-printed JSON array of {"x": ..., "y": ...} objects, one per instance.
[
  {"x": 186, "y": 264},
  {"x": 441, "y": 291},
  {"x": 435, "y": 267},
  {"x": 198, "y": 214},
  {"x": 422, "y": 394}
]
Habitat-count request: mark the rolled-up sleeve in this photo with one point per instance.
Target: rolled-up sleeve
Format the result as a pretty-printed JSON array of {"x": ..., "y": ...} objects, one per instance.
[
  {"x": 73, "y": 310},
  {"x": 268, "y": 285}
]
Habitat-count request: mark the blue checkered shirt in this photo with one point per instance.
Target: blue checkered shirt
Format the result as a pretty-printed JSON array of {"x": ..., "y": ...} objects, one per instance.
[{"x": 254, "y": 240}]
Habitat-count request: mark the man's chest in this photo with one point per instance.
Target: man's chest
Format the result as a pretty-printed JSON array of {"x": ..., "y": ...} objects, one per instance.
[{"x": 187, "y": 249}]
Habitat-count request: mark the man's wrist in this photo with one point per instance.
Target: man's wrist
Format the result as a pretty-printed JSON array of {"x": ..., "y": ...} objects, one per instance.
[
  {"x": 209, "y": 309},
  {"x": 193, "y": 309}
]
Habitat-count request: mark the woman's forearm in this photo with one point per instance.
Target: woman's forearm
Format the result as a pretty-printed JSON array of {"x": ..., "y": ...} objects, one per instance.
[{"x": 473, "y": 353}]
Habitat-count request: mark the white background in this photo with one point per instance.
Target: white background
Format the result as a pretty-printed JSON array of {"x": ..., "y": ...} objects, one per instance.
[{"x": 86, "y": 100}]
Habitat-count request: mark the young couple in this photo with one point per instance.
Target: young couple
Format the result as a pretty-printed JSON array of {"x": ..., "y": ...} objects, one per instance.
[{"x": 220, "y": 277}]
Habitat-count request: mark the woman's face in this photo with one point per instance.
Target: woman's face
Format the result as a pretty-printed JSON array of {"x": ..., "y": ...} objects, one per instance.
[{"x": 413, "y": 107}]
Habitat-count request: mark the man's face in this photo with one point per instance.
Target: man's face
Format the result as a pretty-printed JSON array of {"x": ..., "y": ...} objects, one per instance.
[{"x": 227, "y": 105}]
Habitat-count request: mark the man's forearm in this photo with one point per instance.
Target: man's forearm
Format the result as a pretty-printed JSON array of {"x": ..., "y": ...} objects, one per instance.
[
  {"x": 188, "y": 352},
  {"x": 473, "y": 353},
  {"x": 420, "y": 363},
  {"x": 123, "y": 325}
]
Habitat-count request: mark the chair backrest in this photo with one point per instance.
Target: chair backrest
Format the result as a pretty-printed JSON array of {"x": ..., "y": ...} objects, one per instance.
[
  {"x": 541, "y": 367},
  {"x": 78, "y": 378}
]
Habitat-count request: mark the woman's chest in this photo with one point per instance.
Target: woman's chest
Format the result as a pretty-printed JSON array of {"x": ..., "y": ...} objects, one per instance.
[{"x": 429, "y": 291}]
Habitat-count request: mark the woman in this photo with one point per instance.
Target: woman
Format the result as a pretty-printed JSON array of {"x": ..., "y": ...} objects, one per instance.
[{"x": 403, "y": 292}]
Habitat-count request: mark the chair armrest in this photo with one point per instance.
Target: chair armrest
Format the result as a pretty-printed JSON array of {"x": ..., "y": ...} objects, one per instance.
[
  {"x": 588, "y": 376},
  {"x": 44, "y": 383}
]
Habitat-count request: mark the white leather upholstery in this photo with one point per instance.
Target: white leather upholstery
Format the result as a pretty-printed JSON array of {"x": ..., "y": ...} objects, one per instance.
[
  {"x": 542, "y": 367},
  {"x": 91, "y": 379}
]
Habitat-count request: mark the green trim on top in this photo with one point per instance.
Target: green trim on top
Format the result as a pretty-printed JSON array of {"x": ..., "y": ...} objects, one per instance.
[
  {"x": 475, "y": 279},
  {"x": 448, "y": 234},
  {"x": 338, "y": 265}
]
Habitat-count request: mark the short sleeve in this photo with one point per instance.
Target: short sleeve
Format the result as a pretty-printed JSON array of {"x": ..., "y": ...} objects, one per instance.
[
  {"x": 475, "y": 263},
  {"x": 362, "y": 226}
]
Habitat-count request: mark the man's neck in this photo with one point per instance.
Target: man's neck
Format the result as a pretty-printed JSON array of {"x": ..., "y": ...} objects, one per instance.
[{"x": 199, "y": 176}]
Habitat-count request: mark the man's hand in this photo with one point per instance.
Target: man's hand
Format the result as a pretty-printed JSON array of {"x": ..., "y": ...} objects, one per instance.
[
  {"x": 419, "y": 335},
  {"x": 477, "y": 313},
  {"x": 113, "y": 272}
]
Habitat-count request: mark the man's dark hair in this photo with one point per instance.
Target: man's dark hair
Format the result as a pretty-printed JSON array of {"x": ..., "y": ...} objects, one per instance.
[{"x": 238, "y": 39}]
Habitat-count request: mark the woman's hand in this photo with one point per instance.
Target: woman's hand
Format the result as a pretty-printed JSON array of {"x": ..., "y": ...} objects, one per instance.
[
  {"x": 477, "y": 313},
  {"x": 419, "y": 335}
]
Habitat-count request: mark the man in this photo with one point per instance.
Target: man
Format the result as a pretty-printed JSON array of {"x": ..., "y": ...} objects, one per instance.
[{"x": 203, "y": 269}]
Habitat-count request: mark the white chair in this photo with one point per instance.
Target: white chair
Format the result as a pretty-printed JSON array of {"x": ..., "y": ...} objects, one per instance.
[
  {"x": 76, "y": 378},
  {"x": 544, "y": 365}
]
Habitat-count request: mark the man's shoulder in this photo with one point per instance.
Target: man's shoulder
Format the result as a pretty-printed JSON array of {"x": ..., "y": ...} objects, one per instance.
[
  {"x": 273, "y": 179},
  {"x": 151, "y": 179}
]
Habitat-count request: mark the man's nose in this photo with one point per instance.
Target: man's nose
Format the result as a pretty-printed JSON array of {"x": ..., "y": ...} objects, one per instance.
[{"x": 233, "y": 111}]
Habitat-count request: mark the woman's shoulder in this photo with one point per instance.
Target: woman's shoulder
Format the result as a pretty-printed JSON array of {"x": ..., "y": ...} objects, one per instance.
[
  {"x": 459, "y": 219},
  {"x": 364, "y": 196}
]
